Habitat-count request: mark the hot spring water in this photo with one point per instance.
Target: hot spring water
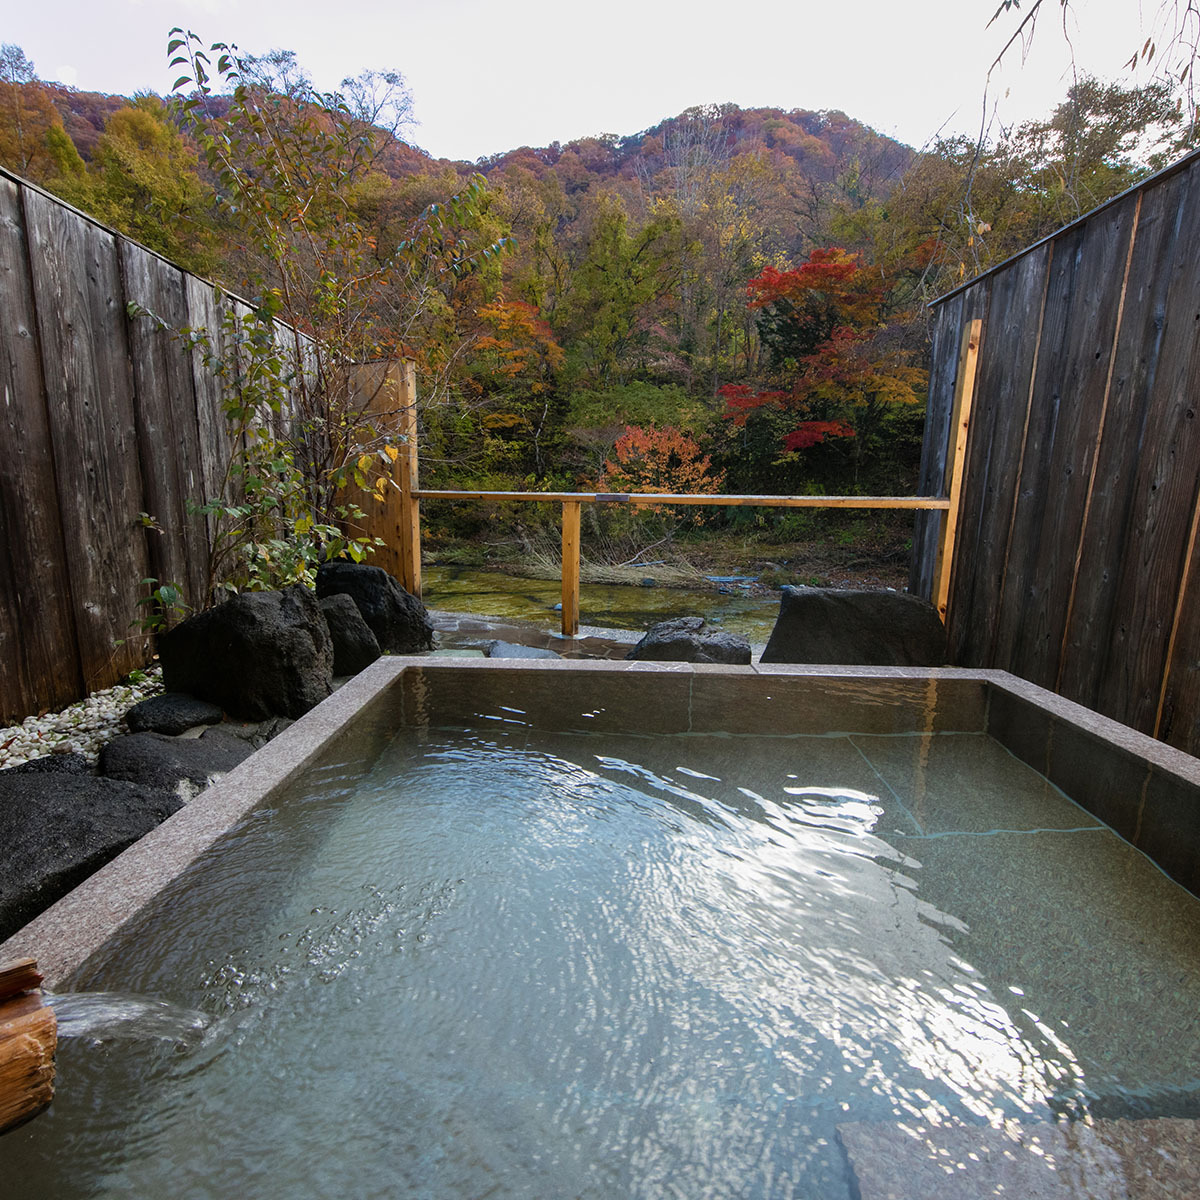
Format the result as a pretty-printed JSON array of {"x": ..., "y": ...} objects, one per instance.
[{"x": 509, "y": 963}]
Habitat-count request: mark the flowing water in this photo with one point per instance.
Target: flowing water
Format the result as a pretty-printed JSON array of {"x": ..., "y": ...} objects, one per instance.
[
  {"x": 100, "y": 1017},
  {"x": 507, "y": 963},
  {"x": 618, "y": 606}
]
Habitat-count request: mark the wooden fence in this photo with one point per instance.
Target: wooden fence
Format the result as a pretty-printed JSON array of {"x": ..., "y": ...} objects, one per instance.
[
  {"x": 1076, "y": 564},
  {"x": 104, "y": 416},
  {"x": 408, "y": 570}
]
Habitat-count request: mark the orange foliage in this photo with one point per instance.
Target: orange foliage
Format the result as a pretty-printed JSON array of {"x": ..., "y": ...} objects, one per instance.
[
  {"x": 660, "y": 460},
  {"x": 827, "y": 319},
  {"x": 741, "y": 401},
  {"x": 523, "y": 344}
]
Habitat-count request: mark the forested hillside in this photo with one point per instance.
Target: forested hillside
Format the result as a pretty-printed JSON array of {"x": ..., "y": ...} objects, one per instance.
[{"x": 731, "y": 300}]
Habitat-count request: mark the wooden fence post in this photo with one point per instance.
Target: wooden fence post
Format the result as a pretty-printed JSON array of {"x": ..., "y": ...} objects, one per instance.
[
  {"x": 956, "y": 460},
  {"x": 570, "y": 567},
  {"x": 407, "y": 470}
]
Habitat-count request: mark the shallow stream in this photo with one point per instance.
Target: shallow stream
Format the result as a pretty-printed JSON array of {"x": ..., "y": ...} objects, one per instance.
[{"x": 619, "y": 606}]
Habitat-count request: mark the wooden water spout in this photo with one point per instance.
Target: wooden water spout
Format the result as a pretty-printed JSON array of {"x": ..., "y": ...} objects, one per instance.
[{"x": 28, "y": 1038}]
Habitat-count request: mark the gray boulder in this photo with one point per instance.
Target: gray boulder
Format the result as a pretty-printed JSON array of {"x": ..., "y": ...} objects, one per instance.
[
  {"x": 258, "y": 655},
  {"x": 172, "y": 712},
  {"x": 53, "y": 838},
  {"x": 500, "y": 649},
  {"x": 256, "y": 734},
  {"x": 687, "y": 639},
  {"x": 354, "y": 645},
  {"x": 398, "y": 620},
  {"x": 185, "y": 766},
  {"x": 854, "y": 628}
]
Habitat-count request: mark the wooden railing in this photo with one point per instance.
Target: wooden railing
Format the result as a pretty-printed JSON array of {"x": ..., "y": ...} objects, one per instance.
[{"x": 402, "y": 534}]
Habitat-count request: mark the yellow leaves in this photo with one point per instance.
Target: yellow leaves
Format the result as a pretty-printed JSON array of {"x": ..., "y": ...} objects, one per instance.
[
  {"x": 508, "y": 420},
  {"x": 391, "y": 452}
]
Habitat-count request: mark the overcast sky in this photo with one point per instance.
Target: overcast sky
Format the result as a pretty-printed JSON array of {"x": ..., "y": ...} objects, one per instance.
[{"x": 488, "y": 77}]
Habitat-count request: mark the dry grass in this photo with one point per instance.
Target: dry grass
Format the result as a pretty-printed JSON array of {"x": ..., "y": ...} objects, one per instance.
[
  {"x": 540, "y": 563},
  {"x": 865, "y": 555}
]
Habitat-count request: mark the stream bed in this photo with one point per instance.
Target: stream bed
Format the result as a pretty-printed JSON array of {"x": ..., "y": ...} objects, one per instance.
[{"x": 618, "y": 606}]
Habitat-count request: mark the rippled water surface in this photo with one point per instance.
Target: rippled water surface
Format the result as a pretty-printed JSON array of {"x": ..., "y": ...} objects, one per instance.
[{"x": 513, "y": 964}]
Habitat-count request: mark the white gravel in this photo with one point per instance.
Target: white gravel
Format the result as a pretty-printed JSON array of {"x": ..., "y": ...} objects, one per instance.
[{"x": 83, "y": 727}]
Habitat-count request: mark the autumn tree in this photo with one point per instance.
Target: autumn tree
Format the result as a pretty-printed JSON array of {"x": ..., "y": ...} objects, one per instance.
[
  {"x": 975, "y": 205},
  {"x": 288, "y": 165},
  {"x": 144, "y": 180},
  {"x": 536, "y": 210},
  {"x": 840, "y": 361},
  {"x": 665, "y": 461},
  {"x": 1100, "y": 140},
  {"x": 620, "y": 279},
  {"x": 290, "y": 170},
  {"x": 28, "y": 120},
  {"x": 513, "y": 365}
]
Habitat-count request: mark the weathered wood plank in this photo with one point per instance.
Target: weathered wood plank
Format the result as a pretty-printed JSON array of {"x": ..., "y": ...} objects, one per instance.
[
  {"x": 204, "y": 313},
  {"x": 1165, "y": 485},
  {"x": 1113, "y": 591},
  {"x": 1010, "y": 343},
  {"x": 37, "y": 628},
  {"x": 1066, "y": 417},
  {"x": 300, "y": 362},
  {"x": 168, "y": 435},
  {"x": 1178, "y": 720},
  {"x": 89, "y": 389}
]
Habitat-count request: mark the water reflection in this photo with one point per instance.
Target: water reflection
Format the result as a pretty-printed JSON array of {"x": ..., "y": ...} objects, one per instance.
[
  {"x": 833, "y": 939},
  {"x": 617, "y": 606},
  {"x": 512, "y": 963}
]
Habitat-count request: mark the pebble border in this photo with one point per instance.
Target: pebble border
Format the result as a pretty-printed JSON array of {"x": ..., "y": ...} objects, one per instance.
[{"x": 82, "y": 727}]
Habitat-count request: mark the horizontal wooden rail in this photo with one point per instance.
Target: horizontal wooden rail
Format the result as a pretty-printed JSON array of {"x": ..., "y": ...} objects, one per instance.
[
  {"x": 573, "y": 501},
  {"x": 922, "y": 502},
  {"x": 406, "y": 479}
]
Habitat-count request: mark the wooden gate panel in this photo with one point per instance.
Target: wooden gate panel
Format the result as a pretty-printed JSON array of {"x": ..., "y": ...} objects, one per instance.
[{"x": 1066, "y": 419}]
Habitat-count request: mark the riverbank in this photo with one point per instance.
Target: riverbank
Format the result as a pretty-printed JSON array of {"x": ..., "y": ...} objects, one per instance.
[{"x": 872, "y": 553}]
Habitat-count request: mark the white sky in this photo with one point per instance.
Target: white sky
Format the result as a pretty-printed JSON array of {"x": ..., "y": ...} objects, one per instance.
[{"x": 489, "y": 77}]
